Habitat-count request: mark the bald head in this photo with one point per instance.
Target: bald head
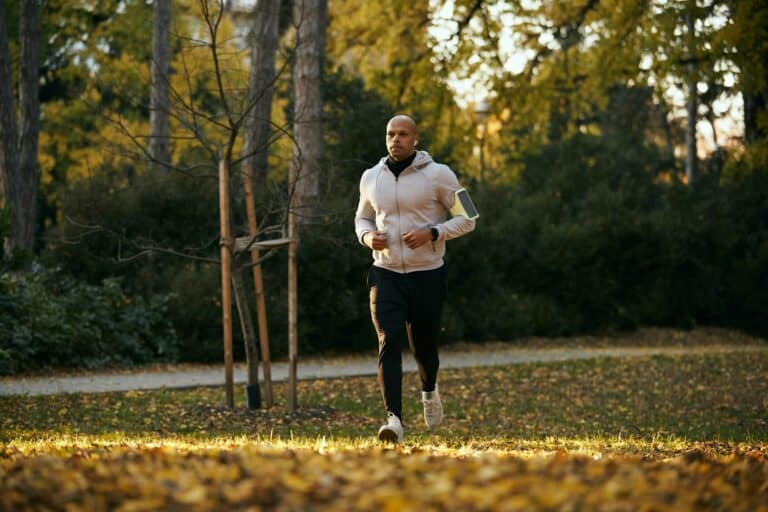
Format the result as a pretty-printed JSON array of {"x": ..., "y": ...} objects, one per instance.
[
  {"x": 402, "y": 137},
  {"x": 405, "y": 120}
]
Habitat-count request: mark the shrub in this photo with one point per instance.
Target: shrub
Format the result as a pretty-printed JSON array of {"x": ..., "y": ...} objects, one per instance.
[{"x": 48, "y": 319}]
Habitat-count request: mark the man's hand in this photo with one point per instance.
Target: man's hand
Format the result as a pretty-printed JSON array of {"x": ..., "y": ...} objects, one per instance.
[
  {"x": 417, "y": 237},
  {"x": 376, "y": 240}
]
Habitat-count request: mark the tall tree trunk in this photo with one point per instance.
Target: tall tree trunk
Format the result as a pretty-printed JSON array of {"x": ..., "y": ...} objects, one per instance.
[
  {"x": 669, "y": 145},
  {"x": 264, "y": 38},
  {"x": 691, "y": 107},
  {"x": 159, "y": 96},
  {"x": 309, "y": 15},
  {"x": 18, "y": 164},
  {"x": 29, "y": 123},
  {"x": 9, "y": 157},
  {"x": 691, "y": 158},
  {"x": 754, "y": 106}
]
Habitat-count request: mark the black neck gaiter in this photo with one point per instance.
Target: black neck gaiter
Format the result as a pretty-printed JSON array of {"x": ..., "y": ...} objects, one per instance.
[{"x": 399, "y": 166}]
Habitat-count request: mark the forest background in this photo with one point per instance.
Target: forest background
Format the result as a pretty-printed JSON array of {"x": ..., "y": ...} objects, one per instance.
[{"x": 617, "y": 151}]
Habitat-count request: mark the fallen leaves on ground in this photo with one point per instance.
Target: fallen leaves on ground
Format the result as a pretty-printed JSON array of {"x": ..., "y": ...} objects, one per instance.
[
  {"x": 651, "y": 433},
  {"x": 252, "y": 478}
]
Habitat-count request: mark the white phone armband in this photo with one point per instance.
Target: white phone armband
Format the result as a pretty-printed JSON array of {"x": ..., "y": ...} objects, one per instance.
[{"x": 463, "y": 205}]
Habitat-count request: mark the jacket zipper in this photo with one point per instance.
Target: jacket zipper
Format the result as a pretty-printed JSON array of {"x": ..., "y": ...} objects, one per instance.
[{"x": 399, "y": 226}]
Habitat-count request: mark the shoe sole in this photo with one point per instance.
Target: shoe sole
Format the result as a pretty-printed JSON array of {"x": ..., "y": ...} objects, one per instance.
[{"x": 388, "y": 436}]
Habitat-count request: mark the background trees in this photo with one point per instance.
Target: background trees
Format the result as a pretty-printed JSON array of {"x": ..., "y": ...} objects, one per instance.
[{"x": 589, "y": 220}]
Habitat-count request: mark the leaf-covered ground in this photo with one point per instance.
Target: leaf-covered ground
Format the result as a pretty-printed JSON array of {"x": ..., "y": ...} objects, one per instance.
[{"x": 656, "y": 433}]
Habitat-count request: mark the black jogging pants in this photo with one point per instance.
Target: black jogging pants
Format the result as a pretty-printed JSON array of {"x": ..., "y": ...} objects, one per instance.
[{"x": 406, "y": 306}]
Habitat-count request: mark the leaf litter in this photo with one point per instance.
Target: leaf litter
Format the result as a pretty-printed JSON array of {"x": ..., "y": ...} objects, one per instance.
[{"x": 656, "y": 433}]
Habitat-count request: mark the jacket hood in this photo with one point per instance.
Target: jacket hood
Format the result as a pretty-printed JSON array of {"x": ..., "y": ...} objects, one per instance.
[{"x": 422, "y": 159}]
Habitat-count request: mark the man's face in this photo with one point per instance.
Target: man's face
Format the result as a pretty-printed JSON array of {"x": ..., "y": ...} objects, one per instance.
[{"x": 401, "y": 138}]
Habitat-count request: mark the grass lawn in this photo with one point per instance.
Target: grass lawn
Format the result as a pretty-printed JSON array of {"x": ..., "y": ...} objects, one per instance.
[{"x": 653, "y": 433}]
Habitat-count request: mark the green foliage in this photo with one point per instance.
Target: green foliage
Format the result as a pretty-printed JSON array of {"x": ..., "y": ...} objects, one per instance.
[
  {"x": 580, "y": 230},
  {"x": 48, "y": 319},
  {"x": 592, "y": 239},
  {"x": 161, "y": 235}
]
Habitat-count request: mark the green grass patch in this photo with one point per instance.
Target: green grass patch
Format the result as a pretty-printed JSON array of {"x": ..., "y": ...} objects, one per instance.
[{"x": 697, "y": 397}]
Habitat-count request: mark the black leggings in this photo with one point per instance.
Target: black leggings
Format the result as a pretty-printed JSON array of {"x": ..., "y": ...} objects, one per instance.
[{"x": 406, "y": 306}]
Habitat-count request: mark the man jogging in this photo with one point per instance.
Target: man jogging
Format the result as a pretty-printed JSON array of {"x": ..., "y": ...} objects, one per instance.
[{"x": 403, "y": 216}]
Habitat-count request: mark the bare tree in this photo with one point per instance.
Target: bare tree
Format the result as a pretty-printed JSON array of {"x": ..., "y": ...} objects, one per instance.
[
  {"x": 19, "y": 148},
  {"x": 216, "y": 126},
  {"x": 310, "y": 18},
  {"x": 159, "y": 97}
]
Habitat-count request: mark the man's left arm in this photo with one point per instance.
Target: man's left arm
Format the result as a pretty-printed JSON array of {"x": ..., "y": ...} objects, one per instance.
[{"x": 447, "y": 185}]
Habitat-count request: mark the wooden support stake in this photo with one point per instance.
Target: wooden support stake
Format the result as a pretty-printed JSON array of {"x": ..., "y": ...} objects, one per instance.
[
  {"x": 226, "y": 279},
  {"x": 258, "y": 284}
]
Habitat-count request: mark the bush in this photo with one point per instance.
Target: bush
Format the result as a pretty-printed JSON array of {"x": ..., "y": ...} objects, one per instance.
[
  {"x": 171, "y": 212},
  {"x": 48, "y": 319},
  {"x": 591, "y": 239}
]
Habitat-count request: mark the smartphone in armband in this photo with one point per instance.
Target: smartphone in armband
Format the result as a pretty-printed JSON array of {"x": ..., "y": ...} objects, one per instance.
[{"x": 463, "y": 205}]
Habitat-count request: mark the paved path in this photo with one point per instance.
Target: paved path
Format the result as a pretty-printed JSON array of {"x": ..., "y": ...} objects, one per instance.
[{"x": 327, "y": 368}]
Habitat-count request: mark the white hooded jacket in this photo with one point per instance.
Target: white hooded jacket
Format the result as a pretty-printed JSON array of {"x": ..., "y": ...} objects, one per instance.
[{"x": 418, "y": 198}]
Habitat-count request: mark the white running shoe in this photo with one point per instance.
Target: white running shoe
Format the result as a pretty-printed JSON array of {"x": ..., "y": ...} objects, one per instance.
[
  {"x": 392, "y": 432},
  {"x": 433, "y": 407}
]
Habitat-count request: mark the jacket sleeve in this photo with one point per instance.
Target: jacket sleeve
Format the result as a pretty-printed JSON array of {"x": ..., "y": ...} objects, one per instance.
[
  {"x": 447, "y": 185},
  {"x": 365, "y": 216}
]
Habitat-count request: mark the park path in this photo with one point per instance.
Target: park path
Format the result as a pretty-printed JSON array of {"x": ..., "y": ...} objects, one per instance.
[{"x": 190, "y": 376}]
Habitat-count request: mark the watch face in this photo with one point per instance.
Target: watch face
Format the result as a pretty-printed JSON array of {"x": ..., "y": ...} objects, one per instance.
[{"x": 435, "y": 234}]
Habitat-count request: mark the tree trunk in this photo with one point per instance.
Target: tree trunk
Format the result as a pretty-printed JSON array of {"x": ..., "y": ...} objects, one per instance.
[
  {"x": 9, "y": 157},
  {"x": 309, "y": 15},
  {"x": 691, "y": 159},
  {"x": 691, "y": 107},
  {"x": 29, "y": 123},
  {"x": 18, "y": 164},
  {"x": 159, "y": 103},
  {"x": 264, "y": 39},
  {"x": 669, "y": 144},
  {"x": 754, "y": 106},
  {"x": 249, "y": 338}
]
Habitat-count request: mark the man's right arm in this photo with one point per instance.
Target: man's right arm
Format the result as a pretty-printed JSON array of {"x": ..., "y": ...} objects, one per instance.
[{"x": 365, "y": 216}]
